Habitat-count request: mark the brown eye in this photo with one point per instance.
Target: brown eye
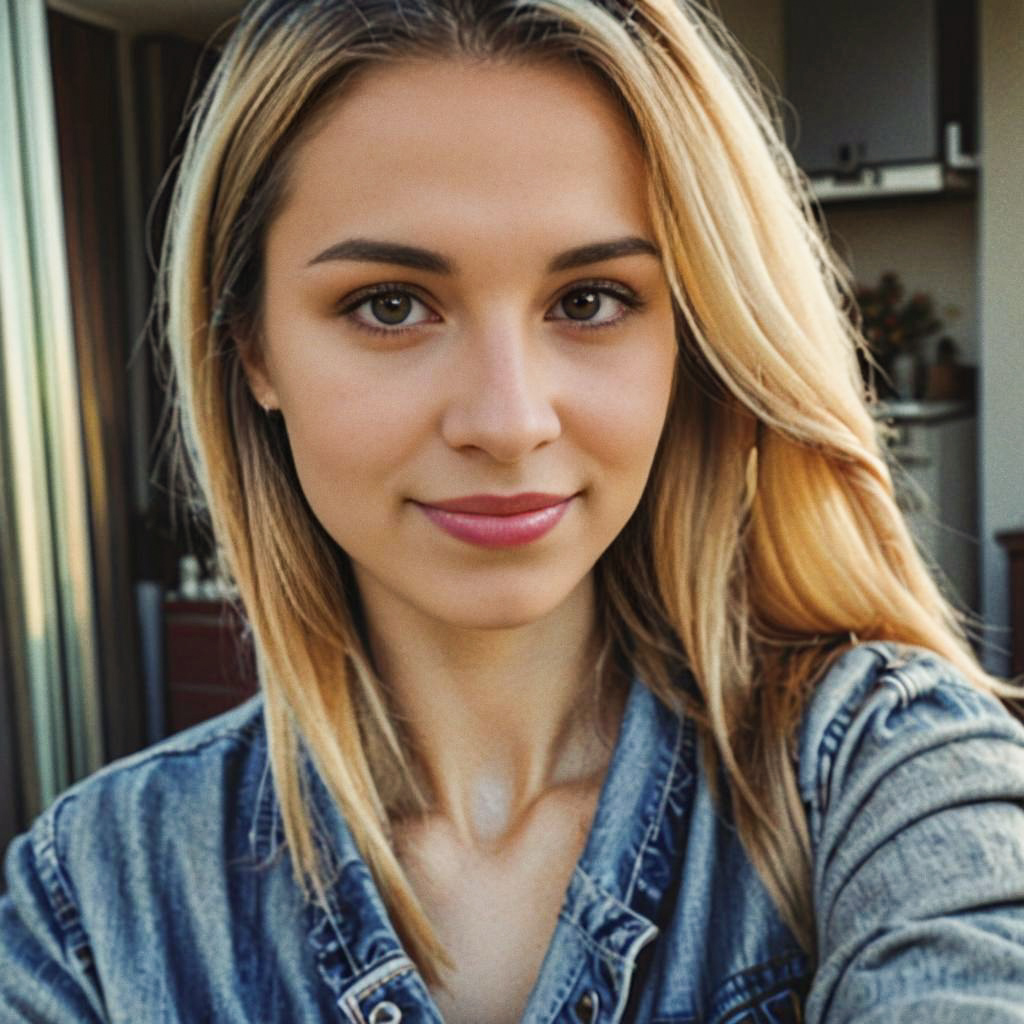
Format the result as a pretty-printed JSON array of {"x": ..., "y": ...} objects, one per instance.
[
  {"x": 392, "y": 308},
  {"x": 595, "y": 305},
  {"x": 387, "y": 310},
  {"x": 582, "y": 305}
]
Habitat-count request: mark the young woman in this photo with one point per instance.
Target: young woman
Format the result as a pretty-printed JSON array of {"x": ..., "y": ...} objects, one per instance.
[{"x": 601, "y": 680}]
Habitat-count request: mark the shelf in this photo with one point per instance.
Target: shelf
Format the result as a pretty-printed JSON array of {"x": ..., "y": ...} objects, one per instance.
[
  {"x": 911, "y": 181},
  {"x": 902, "y": 410}
]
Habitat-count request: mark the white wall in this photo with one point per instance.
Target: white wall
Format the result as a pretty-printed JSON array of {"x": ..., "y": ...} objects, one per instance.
[
  {"x": 933, "y": 246},
  {"x": 1002, "y": 299}
]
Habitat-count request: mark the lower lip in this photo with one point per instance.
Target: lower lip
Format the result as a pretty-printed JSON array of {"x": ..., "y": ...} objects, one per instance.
[{"x": 498, "y": 531}]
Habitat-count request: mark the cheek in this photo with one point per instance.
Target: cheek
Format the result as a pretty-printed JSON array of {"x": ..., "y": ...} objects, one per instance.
[
  {"x": 625, "y": 412},
  {"x": 349, "y": 438}
]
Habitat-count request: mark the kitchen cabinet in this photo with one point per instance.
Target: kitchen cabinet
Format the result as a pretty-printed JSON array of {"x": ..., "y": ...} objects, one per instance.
[
  {"x": 210, "y": 661},
  {"x": 877, "y": 82}
]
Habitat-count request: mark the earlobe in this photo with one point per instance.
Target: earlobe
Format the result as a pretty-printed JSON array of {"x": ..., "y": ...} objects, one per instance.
[
  {"x": 265, "y": 396},
  {"x": 267, "y": 404},
  {"x": 254, "y": 368}
]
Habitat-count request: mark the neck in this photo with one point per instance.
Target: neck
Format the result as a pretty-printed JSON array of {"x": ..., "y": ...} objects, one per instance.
[{"x": 498, "y": 717}]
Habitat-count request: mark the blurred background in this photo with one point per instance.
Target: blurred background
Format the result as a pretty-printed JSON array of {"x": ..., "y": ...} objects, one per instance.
[{"x": 115, "y": 629}]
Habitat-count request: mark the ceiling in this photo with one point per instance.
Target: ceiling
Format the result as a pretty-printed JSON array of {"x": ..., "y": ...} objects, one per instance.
[{"x": 194, "y": 19}]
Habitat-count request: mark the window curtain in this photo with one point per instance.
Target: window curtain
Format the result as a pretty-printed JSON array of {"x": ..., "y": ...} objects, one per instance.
[{"x": 50, "y": 694}]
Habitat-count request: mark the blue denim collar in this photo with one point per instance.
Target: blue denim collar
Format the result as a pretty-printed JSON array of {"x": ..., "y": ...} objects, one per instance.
[
  {"x": 610, "y": 913},
  {"x": 632, "y": 856}
]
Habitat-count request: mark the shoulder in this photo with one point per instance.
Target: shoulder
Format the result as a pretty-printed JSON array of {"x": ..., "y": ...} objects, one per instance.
[
  {"x": 206, "y": 761},
  {"x": 881, "y": 704},
  {"x": 198, "y": 789},
  {"x": 913, "y": 779},
  {"x": 897, "y": 675},
  {"x": 123, "y": 858}
]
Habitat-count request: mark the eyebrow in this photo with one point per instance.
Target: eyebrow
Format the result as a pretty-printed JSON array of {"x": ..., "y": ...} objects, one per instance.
[{"x": 367, "y": 250}]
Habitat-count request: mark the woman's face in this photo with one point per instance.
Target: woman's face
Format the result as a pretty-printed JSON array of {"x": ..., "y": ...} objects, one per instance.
[{"x": 469, "y": 335}]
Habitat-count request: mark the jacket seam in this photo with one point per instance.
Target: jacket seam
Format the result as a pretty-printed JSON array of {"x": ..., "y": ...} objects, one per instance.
[
  {"x": 46, "y": 848},
  {"x": 246, "y": 736},
  {"x": 655, "y": 827},
  {"x": 59, "y": 891}
]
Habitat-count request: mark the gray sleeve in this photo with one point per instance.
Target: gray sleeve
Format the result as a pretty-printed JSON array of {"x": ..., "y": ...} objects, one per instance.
[
  {"x": 46, "y": 971},
  {"x": 915, "y": 784}
]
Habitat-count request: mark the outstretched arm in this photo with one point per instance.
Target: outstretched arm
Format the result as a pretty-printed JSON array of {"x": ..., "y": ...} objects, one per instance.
[{"x": 916, "y": 790}]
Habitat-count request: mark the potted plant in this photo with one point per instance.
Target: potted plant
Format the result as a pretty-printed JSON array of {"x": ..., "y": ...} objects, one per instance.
[{"x": 894, "y": 327}]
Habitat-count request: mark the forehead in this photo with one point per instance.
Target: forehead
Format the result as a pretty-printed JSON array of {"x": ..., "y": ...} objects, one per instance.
[{"x": 428, "y": 146}]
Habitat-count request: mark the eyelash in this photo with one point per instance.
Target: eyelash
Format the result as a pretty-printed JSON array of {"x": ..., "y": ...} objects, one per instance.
[{"x": 632, "y": 302}]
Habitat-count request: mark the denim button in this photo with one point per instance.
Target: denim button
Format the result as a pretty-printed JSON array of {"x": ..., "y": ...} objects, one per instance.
[
  {"x": 385, "y": 1013},
  {"x": 588, "y": 1007}
]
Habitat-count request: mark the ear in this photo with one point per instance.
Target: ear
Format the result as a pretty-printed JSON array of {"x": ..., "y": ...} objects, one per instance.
[{"x": 254, "y": 366}]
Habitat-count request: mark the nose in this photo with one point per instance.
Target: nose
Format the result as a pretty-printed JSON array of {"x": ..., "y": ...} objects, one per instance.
[{"x": 502, "y": 396}]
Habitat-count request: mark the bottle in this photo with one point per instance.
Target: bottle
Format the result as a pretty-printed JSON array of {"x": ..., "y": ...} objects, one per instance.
[{"x": 188, "y": 574}]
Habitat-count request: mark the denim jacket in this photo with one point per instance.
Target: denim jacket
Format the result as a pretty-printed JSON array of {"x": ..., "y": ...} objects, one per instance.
[{"x": 159, "y": 890}]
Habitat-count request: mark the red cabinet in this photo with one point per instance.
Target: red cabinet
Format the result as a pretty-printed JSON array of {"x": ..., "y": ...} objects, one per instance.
[{"x": 210, "y": 667}]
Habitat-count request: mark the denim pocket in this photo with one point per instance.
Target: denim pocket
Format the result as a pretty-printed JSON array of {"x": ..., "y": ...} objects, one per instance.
[
  {"x": 770, "y": 993},
  {"x": 780, "y": 1007}
]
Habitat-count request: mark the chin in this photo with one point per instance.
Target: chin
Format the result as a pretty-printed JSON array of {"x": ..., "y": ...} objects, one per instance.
[
  {"x": 499, "y": 613},
  {"x": 503, "y": 604}
]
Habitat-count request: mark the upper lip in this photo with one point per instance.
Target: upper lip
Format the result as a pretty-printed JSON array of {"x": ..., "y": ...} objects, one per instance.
[{"x": 499, "y": 504}]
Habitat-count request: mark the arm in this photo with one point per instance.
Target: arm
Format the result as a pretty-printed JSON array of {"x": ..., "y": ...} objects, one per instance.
[
  {"x": 46, "y": 972},
  {"x": 916, "y": 788}
]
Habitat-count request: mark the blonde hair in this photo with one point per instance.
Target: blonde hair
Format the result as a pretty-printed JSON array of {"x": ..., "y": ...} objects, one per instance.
[{"x": 768, "y": 538}]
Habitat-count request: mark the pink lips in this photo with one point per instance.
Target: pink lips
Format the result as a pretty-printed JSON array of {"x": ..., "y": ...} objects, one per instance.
[{"x": 498, "y": 521}]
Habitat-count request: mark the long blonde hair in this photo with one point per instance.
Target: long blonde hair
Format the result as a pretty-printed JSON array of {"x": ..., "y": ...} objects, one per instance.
[{"x": 768, "y": 538}]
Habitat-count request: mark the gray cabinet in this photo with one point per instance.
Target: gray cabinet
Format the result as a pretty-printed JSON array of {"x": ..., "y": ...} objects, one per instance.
[{"x": 875, "y": 82}]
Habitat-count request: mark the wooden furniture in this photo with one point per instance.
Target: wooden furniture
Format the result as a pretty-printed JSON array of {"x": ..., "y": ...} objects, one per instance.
[
  {"x": 210, "y": 667},
  {"x": 1013, "y": 542}
]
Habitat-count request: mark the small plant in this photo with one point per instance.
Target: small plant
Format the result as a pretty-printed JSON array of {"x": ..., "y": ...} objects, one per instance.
[{"x": 892, "y": 324}]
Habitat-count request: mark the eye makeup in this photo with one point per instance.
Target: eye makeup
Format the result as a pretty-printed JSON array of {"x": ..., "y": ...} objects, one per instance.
[{"x": 349, "y": 307}]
